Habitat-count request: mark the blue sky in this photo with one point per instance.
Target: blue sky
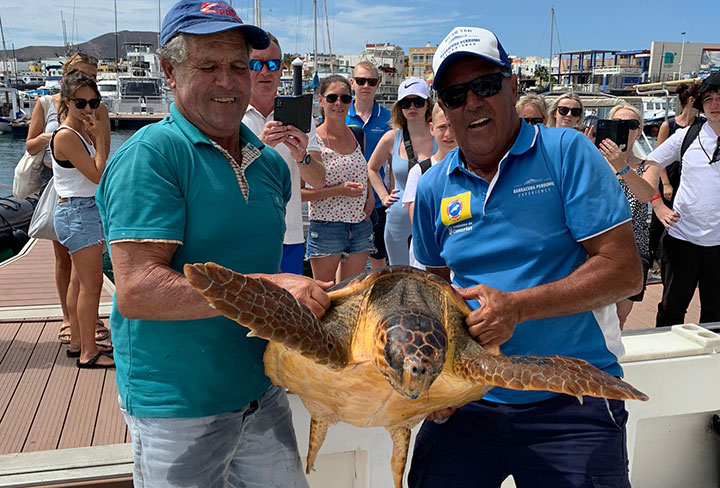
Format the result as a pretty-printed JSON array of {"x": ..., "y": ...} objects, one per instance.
[{"x": 523, "y": 26}]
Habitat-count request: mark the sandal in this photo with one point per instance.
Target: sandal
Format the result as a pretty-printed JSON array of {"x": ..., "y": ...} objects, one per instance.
[
  {"x": 64, "y": 335},
  {"x": 92, "y": 362},
  {"x": 75, "y": 353},
  {"x": 101, "y": 331}
]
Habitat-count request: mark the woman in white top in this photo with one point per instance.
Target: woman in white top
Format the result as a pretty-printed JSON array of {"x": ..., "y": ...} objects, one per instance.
[
  {"x": 77, "y": 168},
  {"x": 340, "y": 212},
  {"x": 41, "y": 128}
]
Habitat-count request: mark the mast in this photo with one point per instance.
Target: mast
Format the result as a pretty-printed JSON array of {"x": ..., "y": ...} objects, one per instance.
[
  {"x": 159, "y": 23},
  {"x": 552, "y": 23},
  {"x": 7, "y": 73},
  {"x": 327, "y": 25},
  {"x": 117, "y": 49},
  {"x": 315, "y": 67},
  {"x": 258, "y": 17}
]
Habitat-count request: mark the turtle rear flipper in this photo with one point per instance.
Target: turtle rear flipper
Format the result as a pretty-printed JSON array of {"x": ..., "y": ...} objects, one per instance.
[
  {"x": 270, "y": 311},
  {"x": 558, "y": 374}
]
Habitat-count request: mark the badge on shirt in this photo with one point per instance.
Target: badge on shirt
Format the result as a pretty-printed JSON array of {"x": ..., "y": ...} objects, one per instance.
[{"x": 455, "y": 209}]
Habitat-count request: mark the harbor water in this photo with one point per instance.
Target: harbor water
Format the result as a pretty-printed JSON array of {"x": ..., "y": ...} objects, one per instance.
[{"x": 12, "y": 148}]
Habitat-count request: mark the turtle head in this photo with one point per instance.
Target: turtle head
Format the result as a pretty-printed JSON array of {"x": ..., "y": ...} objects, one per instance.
[{"x": 410, "y": 351}]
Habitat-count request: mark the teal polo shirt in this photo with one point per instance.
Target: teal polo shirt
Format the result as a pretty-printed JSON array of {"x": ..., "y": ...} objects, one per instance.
[
  {"x": 375, "y": 127},
  {"x": 170, "y": 182},
  {"x": 526, "y": 227}
]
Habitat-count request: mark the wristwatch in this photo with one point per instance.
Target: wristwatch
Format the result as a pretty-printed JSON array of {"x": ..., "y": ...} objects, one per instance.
[{"x": 305, "y": 161}]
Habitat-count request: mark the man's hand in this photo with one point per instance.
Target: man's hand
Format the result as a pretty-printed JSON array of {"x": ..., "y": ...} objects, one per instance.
[
  {"x": 309, "y": 292},
  {"x": 273, "y": 133},
  {"x": 441, "y": 414},
  {"x": 494, "y": 322},
  {"x": 297, "y": 141},
  {"x": 666, "y": 215}
]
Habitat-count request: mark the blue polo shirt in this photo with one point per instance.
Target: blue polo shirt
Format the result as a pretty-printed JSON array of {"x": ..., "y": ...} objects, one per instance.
[
  {"x": 525, "y": 228},
  {"x": 377, "y": 125},
  {"x": 169, "y": 182}
]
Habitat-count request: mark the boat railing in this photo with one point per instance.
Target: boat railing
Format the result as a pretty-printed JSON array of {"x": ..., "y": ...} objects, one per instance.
[{"x": 150, "y": 105}]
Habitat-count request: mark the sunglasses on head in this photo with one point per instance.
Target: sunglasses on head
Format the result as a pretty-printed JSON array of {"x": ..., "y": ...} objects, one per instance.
[
  {"x": 80, "y": 103},
  {"x": 534, "y": 120},
  {"x": 576, "y": 112},
  {"x": 419, "y": 102},
  {"x": 272, "y": 64},
  {"x": 483, "y": 86},
  {"x": 632, "y": 123},
  {"x": 370, "y": 81},
  {"x": 333, "y": 97}
]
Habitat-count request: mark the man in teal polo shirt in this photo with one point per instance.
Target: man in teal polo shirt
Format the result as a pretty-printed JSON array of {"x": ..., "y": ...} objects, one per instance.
[
  {"x": 196, "y": 187},
  {"x": 534, "y": 230}
]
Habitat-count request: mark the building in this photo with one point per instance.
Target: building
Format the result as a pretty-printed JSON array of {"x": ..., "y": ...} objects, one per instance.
[
  {"x": 678, "y": 60},
  {"x": 601, "y": 70},
  {"x": 420, "y": 61}
]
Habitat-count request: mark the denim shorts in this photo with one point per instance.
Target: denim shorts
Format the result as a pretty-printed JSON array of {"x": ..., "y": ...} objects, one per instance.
[
  {"x": 326, "y": 238},
  {"x": 78, "y": 224}
]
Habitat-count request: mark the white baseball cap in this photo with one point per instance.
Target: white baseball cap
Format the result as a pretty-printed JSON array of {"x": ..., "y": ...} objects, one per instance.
[
  {"x": 413, "y": 86},
  {"x": 468, "y": 41}
]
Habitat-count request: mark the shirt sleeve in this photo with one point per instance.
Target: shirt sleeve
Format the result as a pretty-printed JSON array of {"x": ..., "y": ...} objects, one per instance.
[
  {"x": 593, "y": 199},
  {"x": 669, "y": 151},
  {"x": 424, "y": 226},
  {"x": 411, "y": 185},
  {"x": 139, "y": 196},
  {"x": 312, "y": 138}
]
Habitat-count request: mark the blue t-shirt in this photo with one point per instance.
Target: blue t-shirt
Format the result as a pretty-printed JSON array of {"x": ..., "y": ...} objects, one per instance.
[
  {"x": 377, "y": 125},
  {"x": 169, "y": 182},
  {"x": 525, "y": 228}
]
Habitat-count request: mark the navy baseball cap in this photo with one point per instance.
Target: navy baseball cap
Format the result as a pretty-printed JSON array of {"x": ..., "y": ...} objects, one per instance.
[
  {"x": 468, "y": 41},
  {"x": 198, "y": 17}
]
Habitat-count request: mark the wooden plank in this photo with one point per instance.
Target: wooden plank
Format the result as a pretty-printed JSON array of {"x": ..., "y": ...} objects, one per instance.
[
  {"x": 14, "y": 363},
  {"x": 82, "y": 414},
  {"x": 20, "y": 413},
  {"x": 8, "y": 330},
  {"x": 50, "y": 417},
  {"x": 110, "y": 427}
]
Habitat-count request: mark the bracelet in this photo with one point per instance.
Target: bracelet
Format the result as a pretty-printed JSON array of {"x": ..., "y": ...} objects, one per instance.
[
  {"x": 654, "y": 197},
  {"x": 620, "y": 173}
]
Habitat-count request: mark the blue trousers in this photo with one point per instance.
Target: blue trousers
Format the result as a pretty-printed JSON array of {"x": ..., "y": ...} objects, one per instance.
[{"x": 551, "y": 444}]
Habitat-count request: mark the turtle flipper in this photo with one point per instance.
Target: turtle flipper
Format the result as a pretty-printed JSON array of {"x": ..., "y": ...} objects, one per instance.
[
  {"x": 318, "y": 429},
  {"x": 270, "y": 311},
  {"x": 401, "y": 442},
  {"x": 558, "y": 374}
]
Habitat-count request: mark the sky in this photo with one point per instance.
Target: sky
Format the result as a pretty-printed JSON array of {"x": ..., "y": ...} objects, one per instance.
[{"x": 523, "y": 26}]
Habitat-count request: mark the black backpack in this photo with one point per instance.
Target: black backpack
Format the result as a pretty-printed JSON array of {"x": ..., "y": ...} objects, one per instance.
[
  {"x": 359, "y": 136},
  {"x": 412, "y": 160}
]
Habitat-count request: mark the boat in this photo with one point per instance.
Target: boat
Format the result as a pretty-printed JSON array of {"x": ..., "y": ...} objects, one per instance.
[
  {"x": 15, "y": 215},
  {"x": 9, "y": 108}
]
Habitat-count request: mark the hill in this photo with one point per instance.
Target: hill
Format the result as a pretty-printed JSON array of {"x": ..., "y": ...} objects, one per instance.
[{"x": 102, "y": 47}]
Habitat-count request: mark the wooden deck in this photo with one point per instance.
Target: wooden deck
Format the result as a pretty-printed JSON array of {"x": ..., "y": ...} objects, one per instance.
[{"x": 46, "y": 403}]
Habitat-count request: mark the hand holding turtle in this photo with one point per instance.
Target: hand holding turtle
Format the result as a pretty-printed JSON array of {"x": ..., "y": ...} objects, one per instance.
[
  {"x": 494, "y": 322},
  {"x": 309, "y": 292}
]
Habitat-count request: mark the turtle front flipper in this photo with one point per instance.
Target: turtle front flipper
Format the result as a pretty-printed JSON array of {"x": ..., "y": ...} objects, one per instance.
[
  {"x": 558, "y": 374},
  {"x": 401, "y": 442},
  {"x": 270, "y": 311}
]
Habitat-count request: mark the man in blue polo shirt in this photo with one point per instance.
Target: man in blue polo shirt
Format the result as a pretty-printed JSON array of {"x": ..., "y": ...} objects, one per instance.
[
  {"x": 374, "y": 120},
  {"x": 536, "y": 232},
  {"x": 196, "y": 187}
]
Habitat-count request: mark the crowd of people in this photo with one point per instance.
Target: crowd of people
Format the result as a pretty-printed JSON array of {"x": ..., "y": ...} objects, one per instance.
[{"x": 549, "y": 268}]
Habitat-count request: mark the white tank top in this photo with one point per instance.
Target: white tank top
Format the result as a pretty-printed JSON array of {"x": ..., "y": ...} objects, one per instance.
[{"x": 69, "y": 182}]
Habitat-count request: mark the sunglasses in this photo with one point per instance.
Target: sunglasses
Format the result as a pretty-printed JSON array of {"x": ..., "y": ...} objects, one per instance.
[
  {"x": 534, "y": 120},
  {"x": 370, "y": 81},
  {"x": 419, "y": 102},
  {"x": 272, "y": 64},
  {"x": 576, "y": 112},
  {"x": 483, "y": 86},
  {"x": 333, "y": 97},
  {"x": 632, "y": 124},
  {"x": 80, "y": 103}
]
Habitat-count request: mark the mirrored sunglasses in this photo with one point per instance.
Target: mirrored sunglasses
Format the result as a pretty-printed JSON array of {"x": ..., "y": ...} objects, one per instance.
[
  {"x": 333, "y": 97},
  {"x": 370, "y": 81},
  {"x": 272, "y": 64},
  {"x": 483, "y": 86},
  {"x": 419, "y": 102},
  {"x": 533, "y": 120},
  {"x": 576, "y": 112},
  {"x": 80, "y": 103}
]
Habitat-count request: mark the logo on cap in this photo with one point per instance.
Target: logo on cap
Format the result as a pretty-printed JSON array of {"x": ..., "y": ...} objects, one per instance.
[
  {"x": 218, "y": 8},
  {"x": 408, "y": 85}
]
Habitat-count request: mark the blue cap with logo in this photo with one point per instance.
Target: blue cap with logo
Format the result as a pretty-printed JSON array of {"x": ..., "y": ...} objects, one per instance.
[
  {"x": 468, "y": 41},
  {"x": 198, "y": 17}
]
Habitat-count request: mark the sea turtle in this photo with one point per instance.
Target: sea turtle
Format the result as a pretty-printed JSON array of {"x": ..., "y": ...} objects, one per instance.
[{"x": 391, "y": 348}]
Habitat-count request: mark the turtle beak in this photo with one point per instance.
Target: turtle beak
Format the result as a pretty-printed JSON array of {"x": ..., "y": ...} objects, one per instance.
[{"x": 415, "y": 379}]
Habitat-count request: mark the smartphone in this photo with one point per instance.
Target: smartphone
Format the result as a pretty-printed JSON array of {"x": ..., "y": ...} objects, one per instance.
[
  {"x": 615, "y": 130},
  {"x": 295, "y": 110}
]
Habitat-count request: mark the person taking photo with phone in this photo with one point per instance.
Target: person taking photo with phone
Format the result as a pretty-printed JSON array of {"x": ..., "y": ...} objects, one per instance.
[{"x": 299, "y": 150}]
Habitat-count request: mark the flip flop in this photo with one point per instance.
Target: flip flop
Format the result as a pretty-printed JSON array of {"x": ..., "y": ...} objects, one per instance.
[
  {"x": 64, "y": 335},
  {"x": 76, "y": 354},
  {"x": 92, "y": 362},
  {"x": 101, "y": 331}
]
